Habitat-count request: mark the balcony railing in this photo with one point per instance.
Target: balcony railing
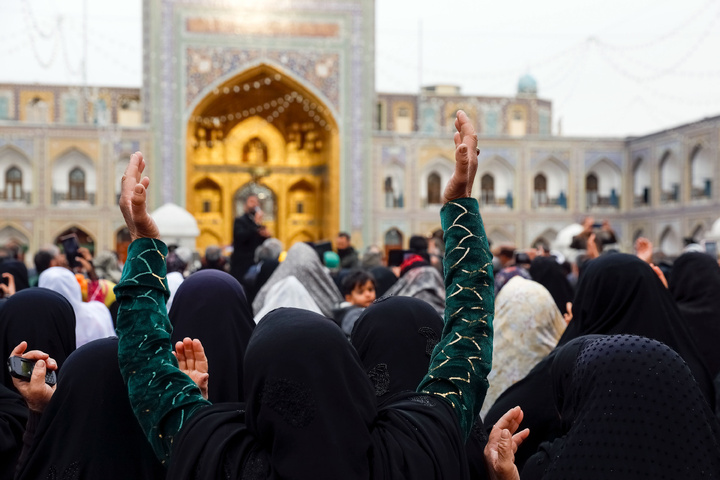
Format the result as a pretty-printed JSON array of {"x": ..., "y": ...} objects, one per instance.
[
  {"x": 596, "y": 201},
  {"x": 26, "y": 198},
  {"x": 64, "y": 198},
  {"x": 700, "y": 193},
  {"x": 542, "y": 200},
  {"x": 488, "y": 199}
]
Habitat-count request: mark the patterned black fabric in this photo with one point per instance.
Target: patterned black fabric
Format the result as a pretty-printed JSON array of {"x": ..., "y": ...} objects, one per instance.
[
  {"x": 392, "y": 337},
  {"x": 210, "y": 305},
  {"x": 347, "y": 436},
  {"x": 88, "y": 429},
  {"x": 620, "y": 294},
  {"x": 630, "y": 409}
]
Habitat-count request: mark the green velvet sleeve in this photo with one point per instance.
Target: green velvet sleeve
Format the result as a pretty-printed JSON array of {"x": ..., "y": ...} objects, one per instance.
[
  {"x": 162, "y": 397},
  {"x": 462, "y": 360}
]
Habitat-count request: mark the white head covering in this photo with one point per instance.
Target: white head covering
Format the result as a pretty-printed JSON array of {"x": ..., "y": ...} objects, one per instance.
[
  {"x": 174, "y": 279},
  {"x": 527, "y": 327},
  {"x": 303, "y": 263},
  {"x": 92, "y": 319},
  {"x": 288, "y": 292}
]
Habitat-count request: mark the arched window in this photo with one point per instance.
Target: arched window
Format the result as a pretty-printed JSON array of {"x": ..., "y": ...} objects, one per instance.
[
  {"x": 433, "y": 188},
  {"x": 591, "y": 189},
  {"x": 487, "y": 189},
  {"x": 641, "y": 182},
  {"x": 701, "y": 173},
  {"x": 540, "y": 188},
  {"x": 255, "y": 151},
  {"x": 13, "y": 184},
  {"x": 76, "y": 190},
  {"x": 669, "y": 178}
]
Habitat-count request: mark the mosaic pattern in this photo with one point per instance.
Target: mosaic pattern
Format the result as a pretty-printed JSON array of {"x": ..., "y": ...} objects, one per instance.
[
  {"x": 205, "y": 65},
  {"x": 487, "y": 154},
  {"x": 319, "y": 69},
  {"x": 24, "y": 144},
  {"x": 538, "y": 156},
  {"x": 394, "y": 154},
  {"x": 356, "y": 134},
  {"x": 591, "y": 157}
]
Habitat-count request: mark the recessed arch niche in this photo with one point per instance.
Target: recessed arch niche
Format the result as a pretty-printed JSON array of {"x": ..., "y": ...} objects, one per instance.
[{"x": 264, "y": 127}]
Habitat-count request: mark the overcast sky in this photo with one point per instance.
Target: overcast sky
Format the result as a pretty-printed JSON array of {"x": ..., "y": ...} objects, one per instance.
[{"x": 611, "y": 67}]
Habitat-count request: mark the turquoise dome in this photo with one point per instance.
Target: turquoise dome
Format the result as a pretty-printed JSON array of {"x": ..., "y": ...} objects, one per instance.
[{"x": 527, "y": 85}]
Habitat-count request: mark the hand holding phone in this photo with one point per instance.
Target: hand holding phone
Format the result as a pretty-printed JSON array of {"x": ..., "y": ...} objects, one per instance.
[
  {"x": 71, "y": 247},
  {"x": 22, "y": 369},
  {"x": 36, "y": 392}
]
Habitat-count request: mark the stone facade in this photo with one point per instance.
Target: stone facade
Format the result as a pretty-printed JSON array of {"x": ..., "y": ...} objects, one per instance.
[
  {"x": 62, "y": 153},
  {"x": 241, "y": 95}
]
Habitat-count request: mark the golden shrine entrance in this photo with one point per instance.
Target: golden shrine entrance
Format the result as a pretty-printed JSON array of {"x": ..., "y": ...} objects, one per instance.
[{"x": 262, "y": 132}]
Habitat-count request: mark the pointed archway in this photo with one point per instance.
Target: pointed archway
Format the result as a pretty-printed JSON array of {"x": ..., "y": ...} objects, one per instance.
[{"x": 264, "y": 127}]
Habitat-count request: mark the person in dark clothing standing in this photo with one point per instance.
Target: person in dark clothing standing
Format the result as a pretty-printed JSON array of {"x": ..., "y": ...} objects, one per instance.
[
  {"x": 346, "y": 252},
  {"x": 248, "y": 234}
]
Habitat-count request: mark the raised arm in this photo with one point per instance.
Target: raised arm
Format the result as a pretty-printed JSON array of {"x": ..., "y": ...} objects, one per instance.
[
  {"x": 161, "y": 396},
  {"x": 462, "y": 360}
]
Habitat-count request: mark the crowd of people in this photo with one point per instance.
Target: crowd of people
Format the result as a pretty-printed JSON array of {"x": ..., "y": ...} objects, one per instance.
[{"x": 456, "y": 361}]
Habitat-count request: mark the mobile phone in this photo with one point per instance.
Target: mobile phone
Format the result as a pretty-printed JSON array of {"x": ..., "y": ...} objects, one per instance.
[
  {"x": 597, "y": 226},
  {"x": 22, "y": 369},
  {"x": 70, "y": 247},
  {"x": 711, "y": 248}
]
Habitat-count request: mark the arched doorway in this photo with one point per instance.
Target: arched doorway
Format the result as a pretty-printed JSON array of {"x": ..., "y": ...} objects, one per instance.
[
  {"x": 264, "y": 130},
  {"x": 84, "y": 239},
  {"x": 268, "y": 204},
  {"x": 393, "y": 240}
]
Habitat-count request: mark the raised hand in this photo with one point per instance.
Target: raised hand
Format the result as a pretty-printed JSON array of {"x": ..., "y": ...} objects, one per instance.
[
  {"x": 466, "y": 163},
  {"x": 193, "y": 362},
  {"x": 644, "y": 249},
  {"x": 36, "y": 392},
  {"x": 7, "y": 290},
  {"x": 502, "y": 444},
  {"x": 133, "y": 200}
]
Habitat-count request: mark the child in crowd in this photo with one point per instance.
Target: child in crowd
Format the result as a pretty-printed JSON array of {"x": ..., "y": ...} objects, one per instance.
[{"x": 358, "y": 288}]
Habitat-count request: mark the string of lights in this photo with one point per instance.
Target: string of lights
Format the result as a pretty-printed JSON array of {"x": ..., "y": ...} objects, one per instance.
[
  {"x": 34, "y": 24},
  {"x": 660, "y": 72},
  {"x": 675, "y": 31},
  {"x": 270, "y": 109}
]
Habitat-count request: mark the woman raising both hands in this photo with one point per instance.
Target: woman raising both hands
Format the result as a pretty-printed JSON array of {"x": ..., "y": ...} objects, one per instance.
[{"x": 310, "y": 409}]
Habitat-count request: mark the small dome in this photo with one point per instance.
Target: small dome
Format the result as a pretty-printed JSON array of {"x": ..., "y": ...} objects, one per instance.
[
  {"x": 175, "y": 221},
  {"x": 527, "y": 85}
]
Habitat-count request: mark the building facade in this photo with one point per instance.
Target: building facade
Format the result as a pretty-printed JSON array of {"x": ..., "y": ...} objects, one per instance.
[
  {"x": 62, "y": 153},
  {"x": 239, "y": 97}
]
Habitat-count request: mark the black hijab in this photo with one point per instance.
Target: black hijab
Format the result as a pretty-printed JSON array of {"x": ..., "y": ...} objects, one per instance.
[
  {"x": 384, "y": 279},
  {"x": 617, "y": 294},
  {"x": 18, "y": 271},
  {"x": 88, "y": 429},
  {"x": 311, "y": 413},
  {"x": 210, "y": 305},
  {"x": 630, "y": 409},
  {"x": 395, "y": 338},
  {"x": 41, "y": 317},
  {"x": 13, "y": 417},
  {"x": 695, "y": 285},
  {"x": 548, "y": 273},
  {"x": 620, "y": 294}
]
